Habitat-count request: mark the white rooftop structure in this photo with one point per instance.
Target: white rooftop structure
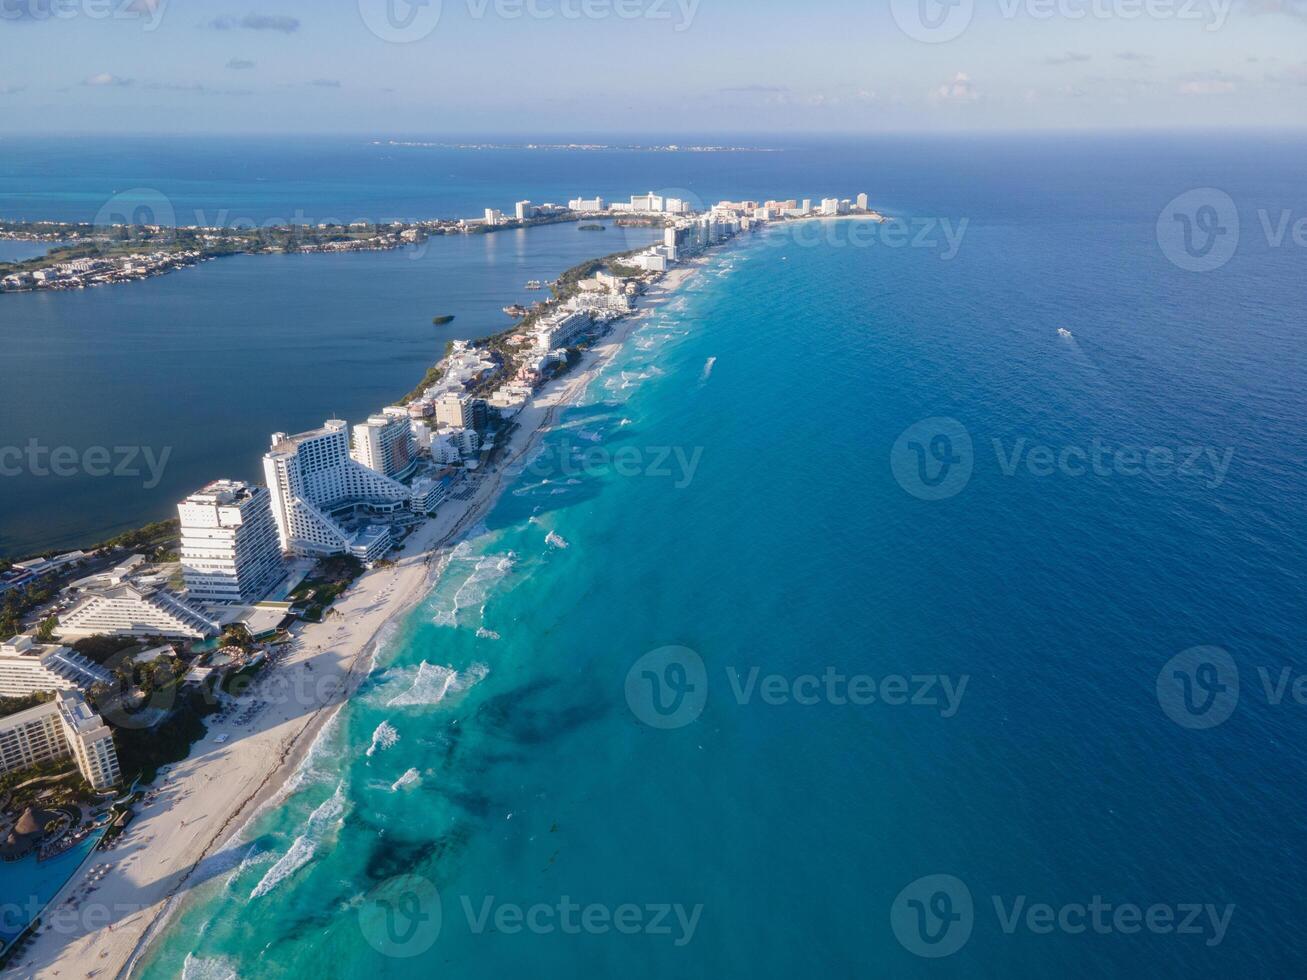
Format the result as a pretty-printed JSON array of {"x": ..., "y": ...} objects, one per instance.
[
  {"x": 135, "y": 608},
  {"x": 28, "y": 666},
  {"x": 313, "y": 478},
  {"x": 230, "y": 551}
]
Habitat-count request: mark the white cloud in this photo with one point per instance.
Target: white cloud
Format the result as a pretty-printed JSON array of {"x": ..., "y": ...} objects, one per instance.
[
  {"x": 1208, "y": 83},
  {"x": 107, "y": 80},
  {"x": 959, "y": 90}
]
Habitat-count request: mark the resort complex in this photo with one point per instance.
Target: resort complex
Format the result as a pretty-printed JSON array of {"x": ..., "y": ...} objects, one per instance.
[
  {"x": 167, "y": 635},
  {"x": 64, "y": 727}
]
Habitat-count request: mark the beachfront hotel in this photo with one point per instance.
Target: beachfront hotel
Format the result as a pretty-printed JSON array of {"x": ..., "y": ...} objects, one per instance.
[
  {"x": 314, "y": 482},
  {"x": 384, "y": 444},
  {"x": 230, "y": 551},
  {"x": 28, "y": 666},
  {"x": 57, "y": 730},
  {"x": 131, "y": 599}
]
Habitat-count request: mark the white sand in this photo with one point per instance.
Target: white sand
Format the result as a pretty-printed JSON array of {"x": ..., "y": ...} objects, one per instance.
[{"x": 205, "y": 800}]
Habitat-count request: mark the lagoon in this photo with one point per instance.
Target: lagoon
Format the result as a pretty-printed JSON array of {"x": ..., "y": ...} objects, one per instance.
[{"x": 182, "y": 378}]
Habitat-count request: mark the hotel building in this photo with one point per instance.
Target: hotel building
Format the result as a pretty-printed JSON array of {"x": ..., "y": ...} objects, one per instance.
[
  {"x": 384, "y": 444},
  {"x": 59, "y": 729},
  {"x": 135, "y": 609},
  {"x": 230, "y": 551},
  {"x": 27, "y": 667},
  {"x": 314, "y": 481}
]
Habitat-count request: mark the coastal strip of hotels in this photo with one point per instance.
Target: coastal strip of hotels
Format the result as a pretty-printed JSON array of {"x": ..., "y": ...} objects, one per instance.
[{"x": 261, "y": 622}]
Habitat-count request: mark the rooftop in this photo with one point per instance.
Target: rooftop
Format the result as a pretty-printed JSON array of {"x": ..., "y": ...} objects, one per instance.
[{"x": 223, "y": 492}]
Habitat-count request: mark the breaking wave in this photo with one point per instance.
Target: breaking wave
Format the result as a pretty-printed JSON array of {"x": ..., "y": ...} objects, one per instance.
[
  {"x": 212, "y": 968},
  {"x": 410, "y": 778},
  {"x": 305, "y": 845},
  {"x": 383, "y": 738},
  {"x": 429, "y": 684}
]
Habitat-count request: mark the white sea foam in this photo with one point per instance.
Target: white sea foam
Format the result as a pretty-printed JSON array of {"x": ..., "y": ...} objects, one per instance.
[
  {"x": 707, "y": 368},
  {"x": 252, "y": 858},
  {"x": 383, "y": 738},
  {"x": 485, "y": 634},
  {"x": 207, "y": 968},
  {"x": 556, "y": 540},
  {"x": 305, "y": 846},
  {"x": 467, "y": 584},
  {"x": 321, "y": 751},
  {"x": 410, "y": 778},
  {"x": 429, "y": 684}
]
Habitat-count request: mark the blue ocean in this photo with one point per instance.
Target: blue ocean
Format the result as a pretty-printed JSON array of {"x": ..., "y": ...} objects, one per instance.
[{"x": 838, "y": 629}]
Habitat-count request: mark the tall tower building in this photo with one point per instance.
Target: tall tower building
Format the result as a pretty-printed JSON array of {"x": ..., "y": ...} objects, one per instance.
[
  {"x": 313, "y": 480},
  {"x": 384, "y": 444},
  {"x": 229, "y": 545}
]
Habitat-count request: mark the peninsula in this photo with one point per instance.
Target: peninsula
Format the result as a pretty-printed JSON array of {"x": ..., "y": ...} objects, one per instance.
[{"x": 305, "y": 582}]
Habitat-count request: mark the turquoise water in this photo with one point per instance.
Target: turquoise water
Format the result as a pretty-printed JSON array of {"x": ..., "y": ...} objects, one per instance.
[
  {"x": 30, "y": 884},
  {"x": 736, "y": 497}
]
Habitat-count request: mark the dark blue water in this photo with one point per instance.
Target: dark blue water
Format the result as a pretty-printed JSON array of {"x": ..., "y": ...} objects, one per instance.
[
  {"x": 182, "y": 378},
  {"x": 804, "y": 542}
]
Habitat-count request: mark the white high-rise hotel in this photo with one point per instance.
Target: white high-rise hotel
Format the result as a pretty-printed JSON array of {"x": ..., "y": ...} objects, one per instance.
[
  {"x": 384, "y": 444},
  {"x": 230, "y": 549},
  {"x": 313, "y": 478}
]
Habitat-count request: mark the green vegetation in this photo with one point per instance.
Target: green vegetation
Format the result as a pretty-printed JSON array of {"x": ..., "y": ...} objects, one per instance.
[
  {"x": 142, "y": 751},
  {"x": 45, "y": 632},
  {"x": 237, "y": 635},
  {"x": 102, "y": 649},
  {"x": 11, "y": 706},
  {"x": 17, "y": 603},
  {"x": 433, "y": 375},
  {"x": 158, "y": 541},
  {"x": 24, "y": 786},
  {"x": 327, "y": 583}
]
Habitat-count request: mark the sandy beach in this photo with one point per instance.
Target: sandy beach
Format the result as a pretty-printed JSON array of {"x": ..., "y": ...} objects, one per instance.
[{"x": 104, "y": 919}]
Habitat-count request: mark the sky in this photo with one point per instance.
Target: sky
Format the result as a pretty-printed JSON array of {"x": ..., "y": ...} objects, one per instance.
[{"x": 542, "y": 67}]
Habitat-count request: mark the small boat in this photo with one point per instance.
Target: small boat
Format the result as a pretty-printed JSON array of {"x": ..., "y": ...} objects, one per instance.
[
  {"x": 1064, "y": 332},
  {"x": 535, "y": 284},
  {"x": 516, "y": 310},
  {"x": 440, "y": 321}
]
